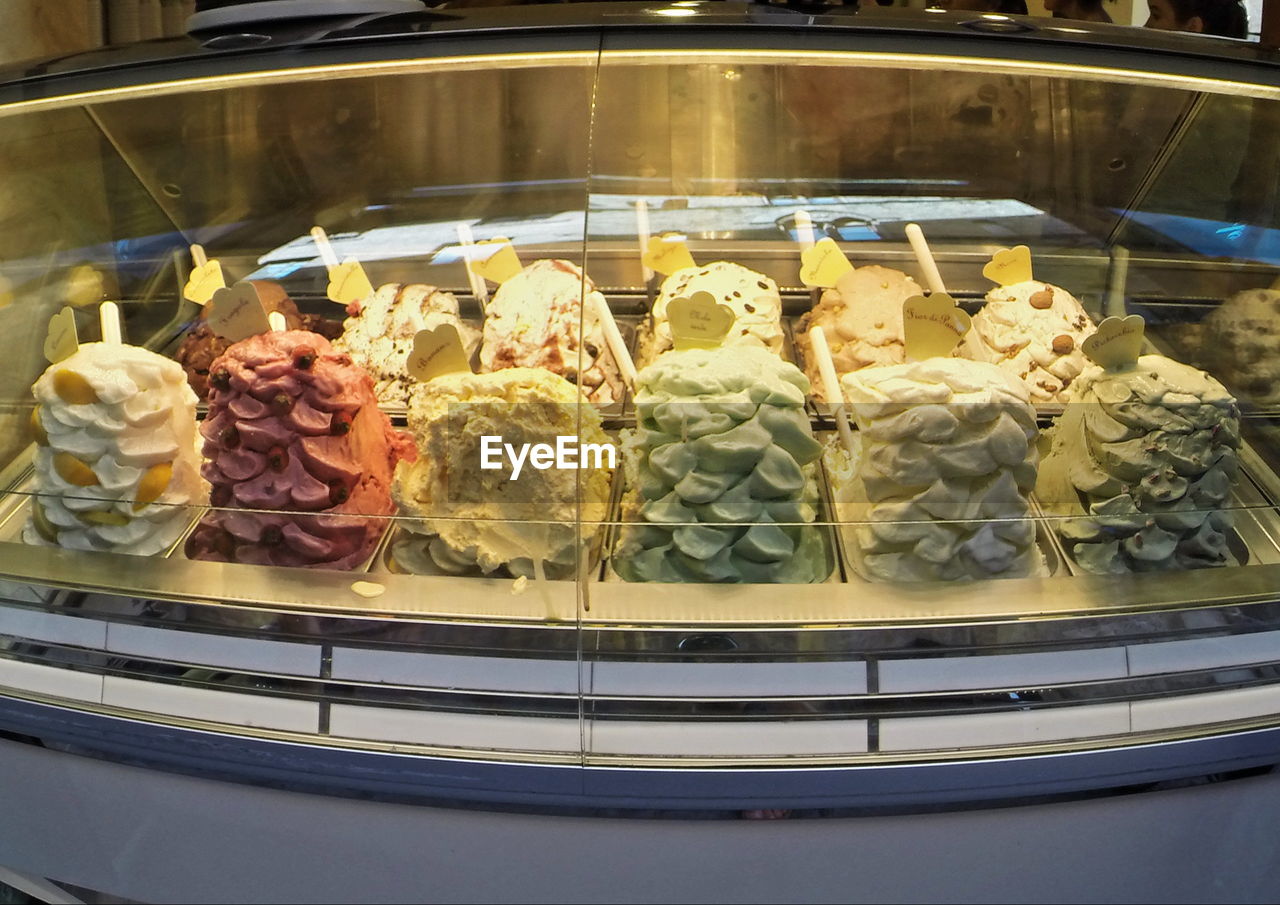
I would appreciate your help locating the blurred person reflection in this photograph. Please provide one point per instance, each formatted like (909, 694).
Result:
(1085, 10)
(1225, 18)
(1005, 7)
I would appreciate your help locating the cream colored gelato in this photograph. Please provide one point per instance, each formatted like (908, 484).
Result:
(946, 461)
(721, 471)
(862, 320)
(753, 298)
(1033, 331)
(1140, 464)
(535, 320)
(461, 516)
(1242, 344)
(378, 334)
(116, 462)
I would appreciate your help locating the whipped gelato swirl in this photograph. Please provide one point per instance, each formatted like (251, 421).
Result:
(946, 463)
(721, 472)
(1141, 463)
(294, 434)
(116, 467)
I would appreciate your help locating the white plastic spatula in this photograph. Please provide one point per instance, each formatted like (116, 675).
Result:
(109, 318)
(928, 265)
(831, 385)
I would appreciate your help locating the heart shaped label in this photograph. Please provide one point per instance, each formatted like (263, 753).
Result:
(699, 322)
(667, 253)
(932, 325)
(61, 341)
(1117, 343)
(1009, 265)
(824, 264)
(437, 352)
(204, 281)
(236, 312)
(494, 259)
(348, 282)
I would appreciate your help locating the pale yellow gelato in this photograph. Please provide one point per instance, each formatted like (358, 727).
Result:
(462, 516)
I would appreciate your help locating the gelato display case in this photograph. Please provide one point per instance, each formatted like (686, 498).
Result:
(590, 456)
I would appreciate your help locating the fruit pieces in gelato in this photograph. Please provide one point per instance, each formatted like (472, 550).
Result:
(294, 431)
(1141, 462)
(460, 517)
(378, 334)
(721, 472)
(946, 462)
(753, 298)
(201, 345)
(1242, 344)
(862, 320)
(535, 319)
(116, 466)
(1034, 331)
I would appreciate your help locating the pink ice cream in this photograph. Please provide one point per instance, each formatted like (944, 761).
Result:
(294, 426)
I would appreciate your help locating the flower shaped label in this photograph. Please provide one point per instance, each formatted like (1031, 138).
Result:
(61, 341)
(348, 282)
(932, 325)
(699, 322)
(1117, 343)
(824, 264)
(667, 253)
(494, 260)
(437, 352)
(1009, 265)
(204, 281)
(236, 312)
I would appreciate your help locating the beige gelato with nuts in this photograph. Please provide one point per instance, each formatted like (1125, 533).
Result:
(1033, 331)
(862, 320)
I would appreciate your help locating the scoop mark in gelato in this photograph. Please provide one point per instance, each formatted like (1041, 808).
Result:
(567, 453)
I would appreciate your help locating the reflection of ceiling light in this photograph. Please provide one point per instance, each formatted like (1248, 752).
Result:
(675, 11)
(934, 9)
(995, 17)
(1070, 31)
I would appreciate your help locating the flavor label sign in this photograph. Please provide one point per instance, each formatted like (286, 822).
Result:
(349, 283)
(667, 253)
(204, 281)
(699, 322)
(438, 352)
(236, 312)
(494, 260)
(61, 342)
(1117, 343)
(932, 325)
(1009, 265)
(823, 264)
